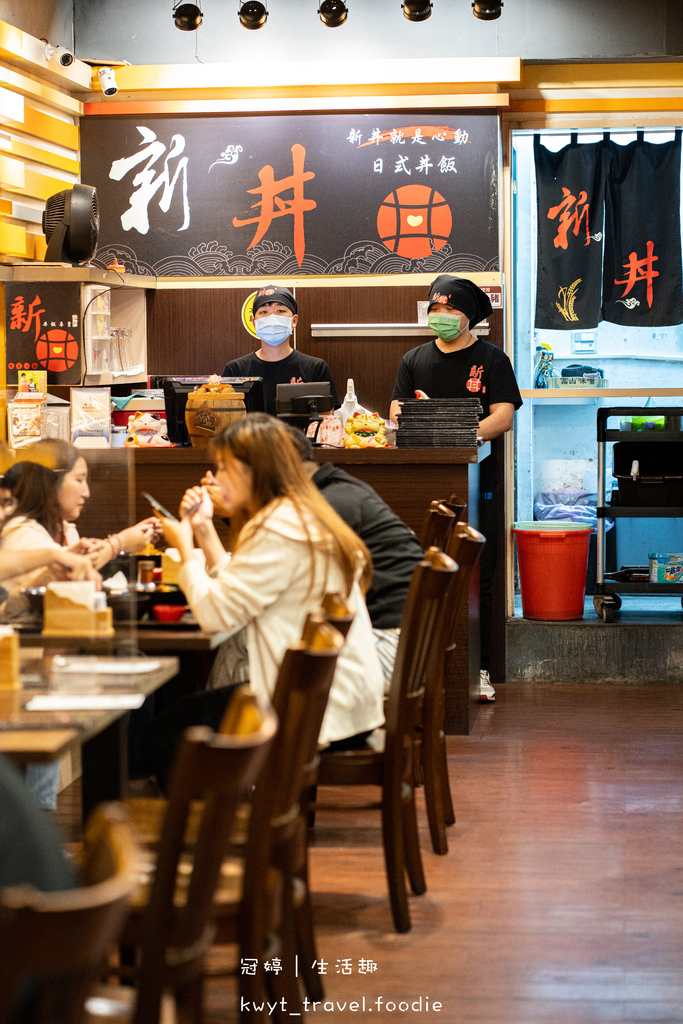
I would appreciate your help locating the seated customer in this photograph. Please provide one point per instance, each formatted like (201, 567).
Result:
(289, 548)
(30, 849)
(48, 502)
(394, 548)
(62, 562)
(275, 317)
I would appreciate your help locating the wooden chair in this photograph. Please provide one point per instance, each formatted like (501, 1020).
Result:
(53, 945)
(457, 505)
(338, 612)
(392, 767)
(262, 902)
(437, 526)
(465, 547)
(171, 913)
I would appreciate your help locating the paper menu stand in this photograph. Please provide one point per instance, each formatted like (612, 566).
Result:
(74, 609)
(9, 659)
(91, 417)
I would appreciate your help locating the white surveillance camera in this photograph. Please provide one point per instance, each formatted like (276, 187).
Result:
(63, 56)
(108, 81)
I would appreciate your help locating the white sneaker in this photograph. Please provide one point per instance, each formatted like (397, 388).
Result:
(487, 694)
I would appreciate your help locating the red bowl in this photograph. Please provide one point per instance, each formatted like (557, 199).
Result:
(168, 612)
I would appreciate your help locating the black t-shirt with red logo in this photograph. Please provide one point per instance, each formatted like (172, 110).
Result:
(481, 371)
(296, 368)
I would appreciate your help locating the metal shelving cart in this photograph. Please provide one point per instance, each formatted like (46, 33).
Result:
(607, 600)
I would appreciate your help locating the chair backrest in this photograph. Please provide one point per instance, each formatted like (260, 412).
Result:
(422, 625)
(53, 944)
(300, 699)
(456, 504)
(464, 547)
(218, 770)
(338, 612)
(437, 526)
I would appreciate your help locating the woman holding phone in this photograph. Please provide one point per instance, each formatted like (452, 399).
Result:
(289, 548)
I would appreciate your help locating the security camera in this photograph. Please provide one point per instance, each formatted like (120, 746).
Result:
(107, 81)
(63, 56)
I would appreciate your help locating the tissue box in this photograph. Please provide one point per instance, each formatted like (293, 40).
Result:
(666, 568)
(70, 609)
(9, 659)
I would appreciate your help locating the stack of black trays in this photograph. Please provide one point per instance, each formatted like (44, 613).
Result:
(438, 423)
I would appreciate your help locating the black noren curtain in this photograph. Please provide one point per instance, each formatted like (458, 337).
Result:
(642, 278)
(570, 196)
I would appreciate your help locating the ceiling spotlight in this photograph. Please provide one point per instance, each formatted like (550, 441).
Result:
(253, 15)
(416, 10)
(486, 10)
(187, 17)
(333, 13)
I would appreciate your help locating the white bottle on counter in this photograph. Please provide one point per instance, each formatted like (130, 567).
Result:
(350, 404)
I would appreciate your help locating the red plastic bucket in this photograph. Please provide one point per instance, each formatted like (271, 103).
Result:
(553, 559)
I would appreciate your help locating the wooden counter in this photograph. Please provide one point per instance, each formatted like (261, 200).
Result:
(406, 478)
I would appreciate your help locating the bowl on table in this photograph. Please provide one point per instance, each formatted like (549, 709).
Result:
(168, 612)
(128, 605)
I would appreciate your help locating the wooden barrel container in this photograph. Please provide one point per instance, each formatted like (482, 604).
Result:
(211, 408)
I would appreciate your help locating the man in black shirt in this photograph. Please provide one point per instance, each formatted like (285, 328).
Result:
(394, 548)
(456, 364)
(275, 316)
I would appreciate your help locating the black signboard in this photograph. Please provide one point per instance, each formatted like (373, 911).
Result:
(376, 193)
(43, 330)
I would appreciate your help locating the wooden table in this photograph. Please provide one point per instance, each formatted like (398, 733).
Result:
(46, 735)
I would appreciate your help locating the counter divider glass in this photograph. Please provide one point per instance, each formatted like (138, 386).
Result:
(406, 478)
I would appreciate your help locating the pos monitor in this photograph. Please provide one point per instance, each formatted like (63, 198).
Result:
(303, 400)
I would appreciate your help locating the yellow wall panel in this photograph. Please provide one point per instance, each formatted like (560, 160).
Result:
(44, 156)
(38, 245)
(19, 83)
(41, 186)
(51, 129)
(12, 239)
(11, 105)
(11, 172)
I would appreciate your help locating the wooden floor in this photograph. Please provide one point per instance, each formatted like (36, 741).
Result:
(561, 900)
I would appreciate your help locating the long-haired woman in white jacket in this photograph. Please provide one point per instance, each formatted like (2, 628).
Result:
(288, 548)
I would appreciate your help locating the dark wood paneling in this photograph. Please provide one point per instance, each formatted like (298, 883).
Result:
(194, 331)
(371, 362)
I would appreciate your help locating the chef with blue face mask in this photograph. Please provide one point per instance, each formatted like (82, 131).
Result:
(275, 314)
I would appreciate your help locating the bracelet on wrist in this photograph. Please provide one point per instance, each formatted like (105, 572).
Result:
(114, 542)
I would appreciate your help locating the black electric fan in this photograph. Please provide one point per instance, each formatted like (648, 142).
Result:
(71, 224)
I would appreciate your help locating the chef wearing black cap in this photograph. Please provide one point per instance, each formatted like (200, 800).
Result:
(275, 316)
(456, 364)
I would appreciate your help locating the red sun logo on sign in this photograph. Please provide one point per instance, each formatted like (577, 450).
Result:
(414, 221)
(56, 350)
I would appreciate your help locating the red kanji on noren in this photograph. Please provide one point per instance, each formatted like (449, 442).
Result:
(640, 270)
(570, 220)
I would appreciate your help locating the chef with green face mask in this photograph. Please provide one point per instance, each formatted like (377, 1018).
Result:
(456, 364)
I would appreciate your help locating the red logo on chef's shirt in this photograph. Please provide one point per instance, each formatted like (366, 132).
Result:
(296, 380)
(474, 382)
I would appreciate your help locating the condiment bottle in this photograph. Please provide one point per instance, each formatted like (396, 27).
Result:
(350, 404)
